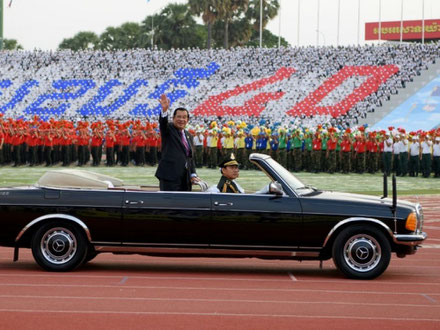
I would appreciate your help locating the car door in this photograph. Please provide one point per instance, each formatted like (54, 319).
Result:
(100, 210)
(255, 220)
(166, 218)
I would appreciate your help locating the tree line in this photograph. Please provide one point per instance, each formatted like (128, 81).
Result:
(226, 23)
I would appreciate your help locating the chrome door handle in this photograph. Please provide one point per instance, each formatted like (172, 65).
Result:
(223, 204)
(134, 202)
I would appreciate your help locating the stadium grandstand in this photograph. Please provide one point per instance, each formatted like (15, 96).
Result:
(301, 85)
(63, 106)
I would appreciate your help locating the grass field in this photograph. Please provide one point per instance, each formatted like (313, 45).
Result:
(249, 180)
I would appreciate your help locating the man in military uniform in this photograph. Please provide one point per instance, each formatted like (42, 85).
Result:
(229, 168)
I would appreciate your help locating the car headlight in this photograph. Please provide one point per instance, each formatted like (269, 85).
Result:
(411, 222)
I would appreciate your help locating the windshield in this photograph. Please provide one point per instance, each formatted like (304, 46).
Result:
(292, 181)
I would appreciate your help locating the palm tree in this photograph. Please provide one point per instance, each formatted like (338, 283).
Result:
(208, 10)
(227, 10)
(176, 28)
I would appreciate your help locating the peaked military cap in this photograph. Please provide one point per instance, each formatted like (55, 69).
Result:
(228, 161)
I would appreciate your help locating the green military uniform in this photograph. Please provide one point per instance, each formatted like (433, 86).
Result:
(226, 185)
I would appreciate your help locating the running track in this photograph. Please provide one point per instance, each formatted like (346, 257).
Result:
(138, 292)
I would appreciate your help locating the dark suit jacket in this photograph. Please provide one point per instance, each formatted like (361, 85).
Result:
(174, 163)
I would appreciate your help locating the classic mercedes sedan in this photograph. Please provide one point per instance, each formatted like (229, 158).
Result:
(70, 216)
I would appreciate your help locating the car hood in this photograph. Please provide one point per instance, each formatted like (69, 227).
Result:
(355, 204)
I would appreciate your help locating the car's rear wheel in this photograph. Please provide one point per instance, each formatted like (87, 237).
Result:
(59, 246)
(361, 252)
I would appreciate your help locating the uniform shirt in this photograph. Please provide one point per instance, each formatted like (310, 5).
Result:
(239, 142)
(249, 143)
(403, 146)
(414, 148)
(396, 147)
(198, 140)
(346, 145)
(436, 150)
(212, 142)
(331, 144)
(388, 145)
(282, 142)
(426, 147)
(228, 142)
(317, 143)
(227, 186)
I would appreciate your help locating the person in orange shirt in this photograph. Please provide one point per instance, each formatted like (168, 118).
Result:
(96, 144)
(110, 140)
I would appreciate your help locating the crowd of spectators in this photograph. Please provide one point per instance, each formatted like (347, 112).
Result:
(59, 103)
(313, 66)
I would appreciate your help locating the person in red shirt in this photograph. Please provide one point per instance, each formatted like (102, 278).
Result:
(139, 141)
(48, 136)
(316, 152)
(153, 143)
(360, 153)
(2, 140)
(32, 141)
(110, 140)
(83, 143)
(17, 142)
(331, 150)
(372, 153)
(96, 144)
(346, 152)
(125, 145)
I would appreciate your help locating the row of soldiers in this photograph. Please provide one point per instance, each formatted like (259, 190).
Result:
(300, 149)
(61, 142)
(327, 150)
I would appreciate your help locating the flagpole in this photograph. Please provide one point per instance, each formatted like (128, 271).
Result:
(279, 26)
(380, 20)
(359, 20)
(317, 25)
(339, 17)
(297, 36)
(401, 21)
(261, 23)
(1, 24)
(423, 22)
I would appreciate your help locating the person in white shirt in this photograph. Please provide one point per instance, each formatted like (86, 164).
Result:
(397, 146)
(436, 157)
(198, 143)
(387, 153)
(403, 156)
(426, 146)
(414, 157)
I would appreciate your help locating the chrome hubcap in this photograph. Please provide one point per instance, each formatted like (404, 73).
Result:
(58, 245)
(362, 253)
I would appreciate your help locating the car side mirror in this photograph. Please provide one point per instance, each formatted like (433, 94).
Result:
(275, 188)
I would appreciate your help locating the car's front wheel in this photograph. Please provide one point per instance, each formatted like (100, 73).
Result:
(59, 246)
(361, 252)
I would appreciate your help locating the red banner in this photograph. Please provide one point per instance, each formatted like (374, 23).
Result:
(412, 30)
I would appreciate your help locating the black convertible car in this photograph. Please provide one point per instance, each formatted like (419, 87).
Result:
(70, 216)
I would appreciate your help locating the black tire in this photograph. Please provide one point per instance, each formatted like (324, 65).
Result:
(59, 246)
(361, 252)
(91, 254)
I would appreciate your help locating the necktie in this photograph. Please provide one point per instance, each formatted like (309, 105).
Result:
(185, 143)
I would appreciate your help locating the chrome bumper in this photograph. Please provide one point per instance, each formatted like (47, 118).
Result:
(411, 239)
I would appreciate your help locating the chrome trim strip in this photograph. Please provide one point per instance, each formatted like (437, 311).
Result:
(164, 244)
(252, 246)
(356, 219)
(196, 251)
(55, 216)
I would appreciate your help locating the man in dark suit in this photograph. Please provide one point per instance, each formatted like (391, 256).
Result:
(176, 170)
